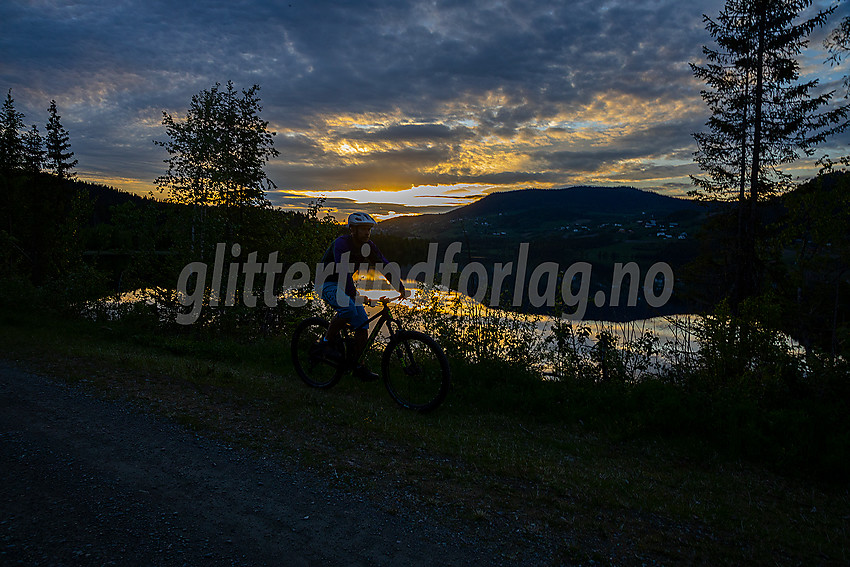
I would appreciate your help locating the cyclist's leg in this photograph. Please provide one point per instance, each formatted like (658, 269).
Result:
(355, 316)
(337, 323)
(361, 337)
(350, 313)
(329, 294)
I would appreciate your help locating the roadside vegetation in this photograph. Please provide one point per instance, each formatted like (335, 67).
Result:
(600, 470)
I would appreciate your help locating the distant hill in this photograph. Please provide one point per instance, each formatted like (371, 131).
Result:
(530, 211)
(612, 200)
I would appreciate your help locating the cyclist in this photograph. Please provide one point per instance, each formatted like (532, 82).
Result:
(362, 250)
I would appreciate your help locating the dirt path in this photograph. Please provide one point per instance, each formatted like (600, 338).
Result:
(85, 481)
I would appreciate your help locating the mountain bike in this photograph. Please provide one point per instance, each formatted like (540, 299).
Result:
(414, 367)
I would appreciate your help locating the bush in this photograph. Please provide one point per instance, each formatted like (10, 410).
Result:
(70, 291)
(743, 354)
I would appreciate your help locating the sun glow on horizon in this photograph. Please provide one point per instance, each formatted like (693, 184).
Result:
(417, 196)
(140, 187)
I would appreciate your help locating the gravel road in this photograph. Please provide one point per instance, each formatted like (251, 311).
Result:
(88, 481)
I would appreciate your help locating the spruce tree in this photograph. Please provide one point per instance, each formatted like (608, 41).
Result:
(58, 157)
(763, 117)
(11, 123)
(33, 151)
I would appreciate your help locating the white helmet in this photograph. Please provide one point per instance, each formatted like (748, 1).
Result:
(361, 219)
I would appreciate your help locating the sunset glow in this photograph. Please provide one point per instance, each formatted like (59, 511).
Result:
(402, 108)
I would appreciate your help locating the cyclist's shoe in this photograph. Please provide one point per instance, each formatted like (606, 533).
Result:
(364, 374)
(326, 351)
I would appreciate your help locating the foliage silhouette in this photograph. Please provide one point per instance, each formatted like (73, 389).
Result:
(762, 117)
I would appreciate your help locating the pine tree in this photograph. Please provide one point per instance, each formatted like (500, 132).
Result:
(762, 118)
(58, 157)
(11, 122)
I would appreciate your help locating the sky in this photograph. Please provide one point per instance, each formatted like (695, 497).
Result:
(392, 107)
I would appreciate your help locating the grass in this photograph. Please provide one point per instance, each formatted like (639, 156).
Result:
(585, 491)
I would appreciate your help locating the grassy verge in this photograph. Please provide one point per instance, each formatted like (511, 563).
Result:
(583, 491)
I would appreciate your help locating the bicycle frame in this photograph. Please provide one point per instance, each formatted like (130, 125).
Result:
(385, 317)
(415, 369)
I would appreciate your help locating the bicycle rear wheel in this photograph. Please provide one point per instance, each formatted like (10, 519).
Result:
(311, 366)
(416, 371)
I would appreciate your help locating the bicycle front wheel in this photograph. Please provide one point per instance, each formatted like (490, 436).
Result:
(310, 365)
(416, 371)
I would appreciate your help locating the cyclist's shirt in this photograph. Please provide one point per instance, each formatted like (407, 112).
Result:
(345, 244)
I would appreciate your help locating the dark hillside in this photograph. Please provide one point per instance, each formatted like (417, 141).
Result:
(612, 200)
(529, 212)
(599, 225)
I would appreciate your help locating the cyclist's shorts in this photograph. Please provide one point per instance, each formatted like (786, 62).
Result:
(351, 312)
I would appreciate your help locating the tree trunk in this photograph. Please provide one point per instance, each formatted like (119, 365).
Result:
(750, 273)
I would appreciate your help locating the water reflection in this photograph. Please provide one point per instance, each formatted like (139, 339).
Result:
(644, 346)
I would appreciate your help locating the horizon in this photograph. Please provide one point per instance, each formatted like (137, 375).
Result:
(341, 217)
(397, 109)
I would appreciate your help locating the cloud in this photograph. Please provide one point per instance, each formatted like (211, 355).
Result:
(375, 94)
(401, 133)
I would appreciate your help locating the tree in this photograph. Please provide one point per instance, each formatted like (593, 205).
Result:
(33, 151)
(762, 115)
(217, 156)
(838, 45)
(58, 156)
(218, 152)
(11, 124)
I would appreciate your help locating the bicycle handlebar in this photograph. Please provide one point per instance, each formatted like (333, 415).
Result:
(384, 300)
